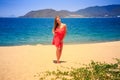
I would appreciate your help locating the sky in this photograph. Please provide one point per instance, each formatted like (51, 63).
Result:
(9, 8)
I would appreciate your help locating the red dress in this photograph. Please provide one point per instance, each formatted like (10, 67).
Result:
(58, 37)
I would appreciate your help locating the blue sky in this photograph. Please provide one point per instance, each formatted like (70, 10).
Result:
(21, 7)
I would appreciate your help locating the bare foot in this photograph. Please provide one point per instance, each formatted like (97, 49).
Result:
(56, 62)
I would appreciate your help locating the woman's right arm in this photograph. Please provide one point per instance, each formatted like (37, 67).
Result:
(53, 31)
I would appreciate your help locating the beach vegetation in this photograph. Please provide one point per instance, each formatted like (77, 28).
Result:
(91, 71)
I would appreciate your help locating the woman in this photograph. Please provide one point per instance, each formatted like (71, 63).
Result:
(59, 32)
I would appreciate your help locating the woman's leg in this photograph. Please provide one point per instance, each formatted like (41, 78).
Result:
(58, 54)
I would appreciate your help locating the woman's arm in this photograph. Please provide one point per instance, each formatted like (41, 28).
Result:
(65, 31)
(53, 31)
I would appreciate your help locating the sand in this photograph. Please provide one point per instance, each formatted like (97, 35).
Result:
(24, 62)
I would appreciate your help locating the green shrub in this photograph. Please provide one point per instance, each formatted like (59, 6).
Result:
(92, 71)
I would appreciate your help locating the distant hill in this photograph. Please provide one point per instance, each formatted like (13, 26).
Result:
(100, 11)
(95, 11)
(50, 13)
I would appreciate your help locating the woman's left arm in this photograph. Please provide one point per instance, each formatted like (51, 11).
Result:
(65, 32)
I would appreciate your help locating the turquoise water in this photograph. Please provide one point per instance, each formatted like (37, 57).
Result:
(32, 31)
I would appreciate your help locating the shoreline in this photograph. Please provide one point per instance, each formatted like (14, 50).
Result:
(23, 62)
(64, 44)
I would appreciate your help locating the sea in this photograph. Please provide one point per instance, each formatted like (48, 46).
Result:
(35, 31)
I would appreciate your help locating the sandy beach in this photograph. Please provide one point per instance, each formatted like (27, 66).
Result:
(24, 62)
